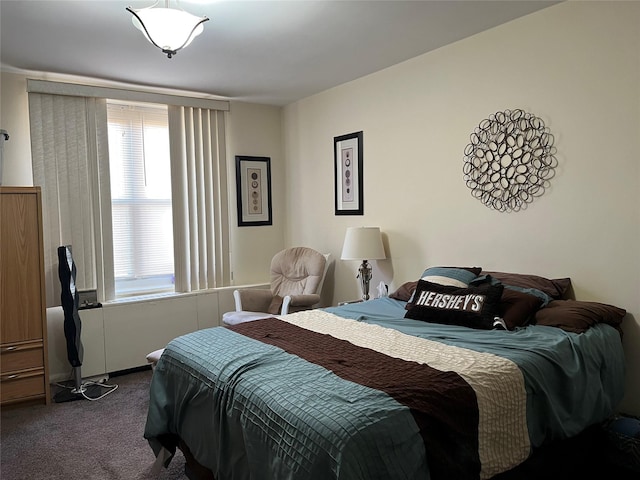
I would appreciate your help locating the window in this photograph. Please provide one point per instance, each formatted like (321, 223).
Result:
(140, 177)
(162, 157)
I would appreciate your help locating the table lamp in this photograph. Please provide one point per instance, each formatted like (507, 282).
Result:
(363, 243)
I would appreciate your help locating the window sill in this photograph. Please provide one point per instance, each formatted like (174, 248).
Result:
(147, 298)
(169, 295)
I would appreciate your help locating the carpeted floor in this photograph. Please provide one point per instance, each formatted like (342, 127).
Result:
(103, 440)
(82, 439)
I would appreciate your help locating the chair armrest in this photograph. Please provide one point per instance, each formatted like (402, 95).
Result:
(295, 303)
(253, 299)
(304, 300)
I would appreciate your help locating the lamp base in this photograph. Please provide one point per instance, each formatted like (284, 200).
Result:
(364, 274)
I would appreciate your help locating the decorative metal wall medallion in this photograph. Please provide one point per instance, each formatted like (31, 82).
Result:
(510, 160)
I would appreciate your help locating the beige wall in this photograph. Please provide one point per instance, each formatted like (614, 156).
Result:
(256, 130)
(14, 118)
(577, 66)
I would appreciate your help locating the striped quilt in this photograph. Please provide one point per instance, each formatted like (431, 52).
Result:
(312, 395)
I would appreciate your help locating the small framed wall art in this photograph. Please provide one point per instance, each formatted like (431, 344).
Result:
(253, 190)
(348, 174)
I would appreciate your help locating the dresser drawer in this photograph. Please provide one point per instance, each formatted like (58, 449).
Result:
(22, 385)
(21, 356)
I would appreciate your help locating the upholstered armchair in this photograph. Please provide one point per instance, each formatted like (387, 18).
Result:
(297, 276)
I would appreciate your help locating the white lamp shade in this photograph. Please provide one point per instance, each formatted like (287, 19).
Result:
(363, 243)
(168, 28)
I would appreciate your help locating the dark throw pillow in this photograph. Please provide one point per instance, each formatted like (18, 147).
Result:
(486, 278)
(405, 291)
(474, 307)
(517, 308)
(556, 288)
(577, 316)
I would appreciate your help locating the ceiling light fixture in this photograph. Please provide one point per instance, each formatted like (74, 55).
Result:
(169, 29)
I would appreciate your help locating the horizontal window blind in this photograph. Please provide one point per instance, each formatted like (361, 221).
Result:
(140, 175)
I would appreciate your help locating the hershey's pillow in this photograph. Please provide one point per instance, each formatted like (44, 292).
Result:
(517, 308)
(577, 316)
(405, 291)
(556, 288)
(454, 276)
(474, 307)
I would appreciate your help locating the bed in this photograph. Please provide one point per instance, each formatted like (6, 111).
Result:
(452, 376)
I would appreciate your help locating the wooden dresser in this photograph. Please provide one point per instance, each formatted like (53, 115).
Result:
(24, 373)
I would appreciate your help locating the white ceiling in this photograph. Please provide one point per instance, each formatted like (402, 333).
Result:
(272, 52)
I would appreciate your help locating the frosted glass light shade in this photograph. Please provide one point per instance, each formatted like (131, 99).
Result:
(363, 243)
(169, 29)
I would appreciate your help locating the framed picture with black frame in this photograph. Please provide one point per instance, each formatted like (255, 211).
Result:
(253, 190)
(347, 150)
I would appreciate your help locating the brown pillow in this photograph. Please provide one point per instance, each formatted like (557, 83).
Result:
(517, 308)
(555, 288)
(275, 307)
(577, 316)
(405, 291)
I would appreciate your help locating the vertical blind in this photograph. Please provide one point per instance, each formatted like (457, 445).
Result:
(200, 206)
(67, 135)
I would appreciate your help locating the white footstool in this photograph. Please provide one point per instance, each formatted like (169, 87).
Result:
(154, 356)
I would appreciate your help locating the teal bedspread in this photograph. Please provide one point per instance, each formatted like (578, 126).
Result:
(247, 409)
(250, 410)
(572, 380)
